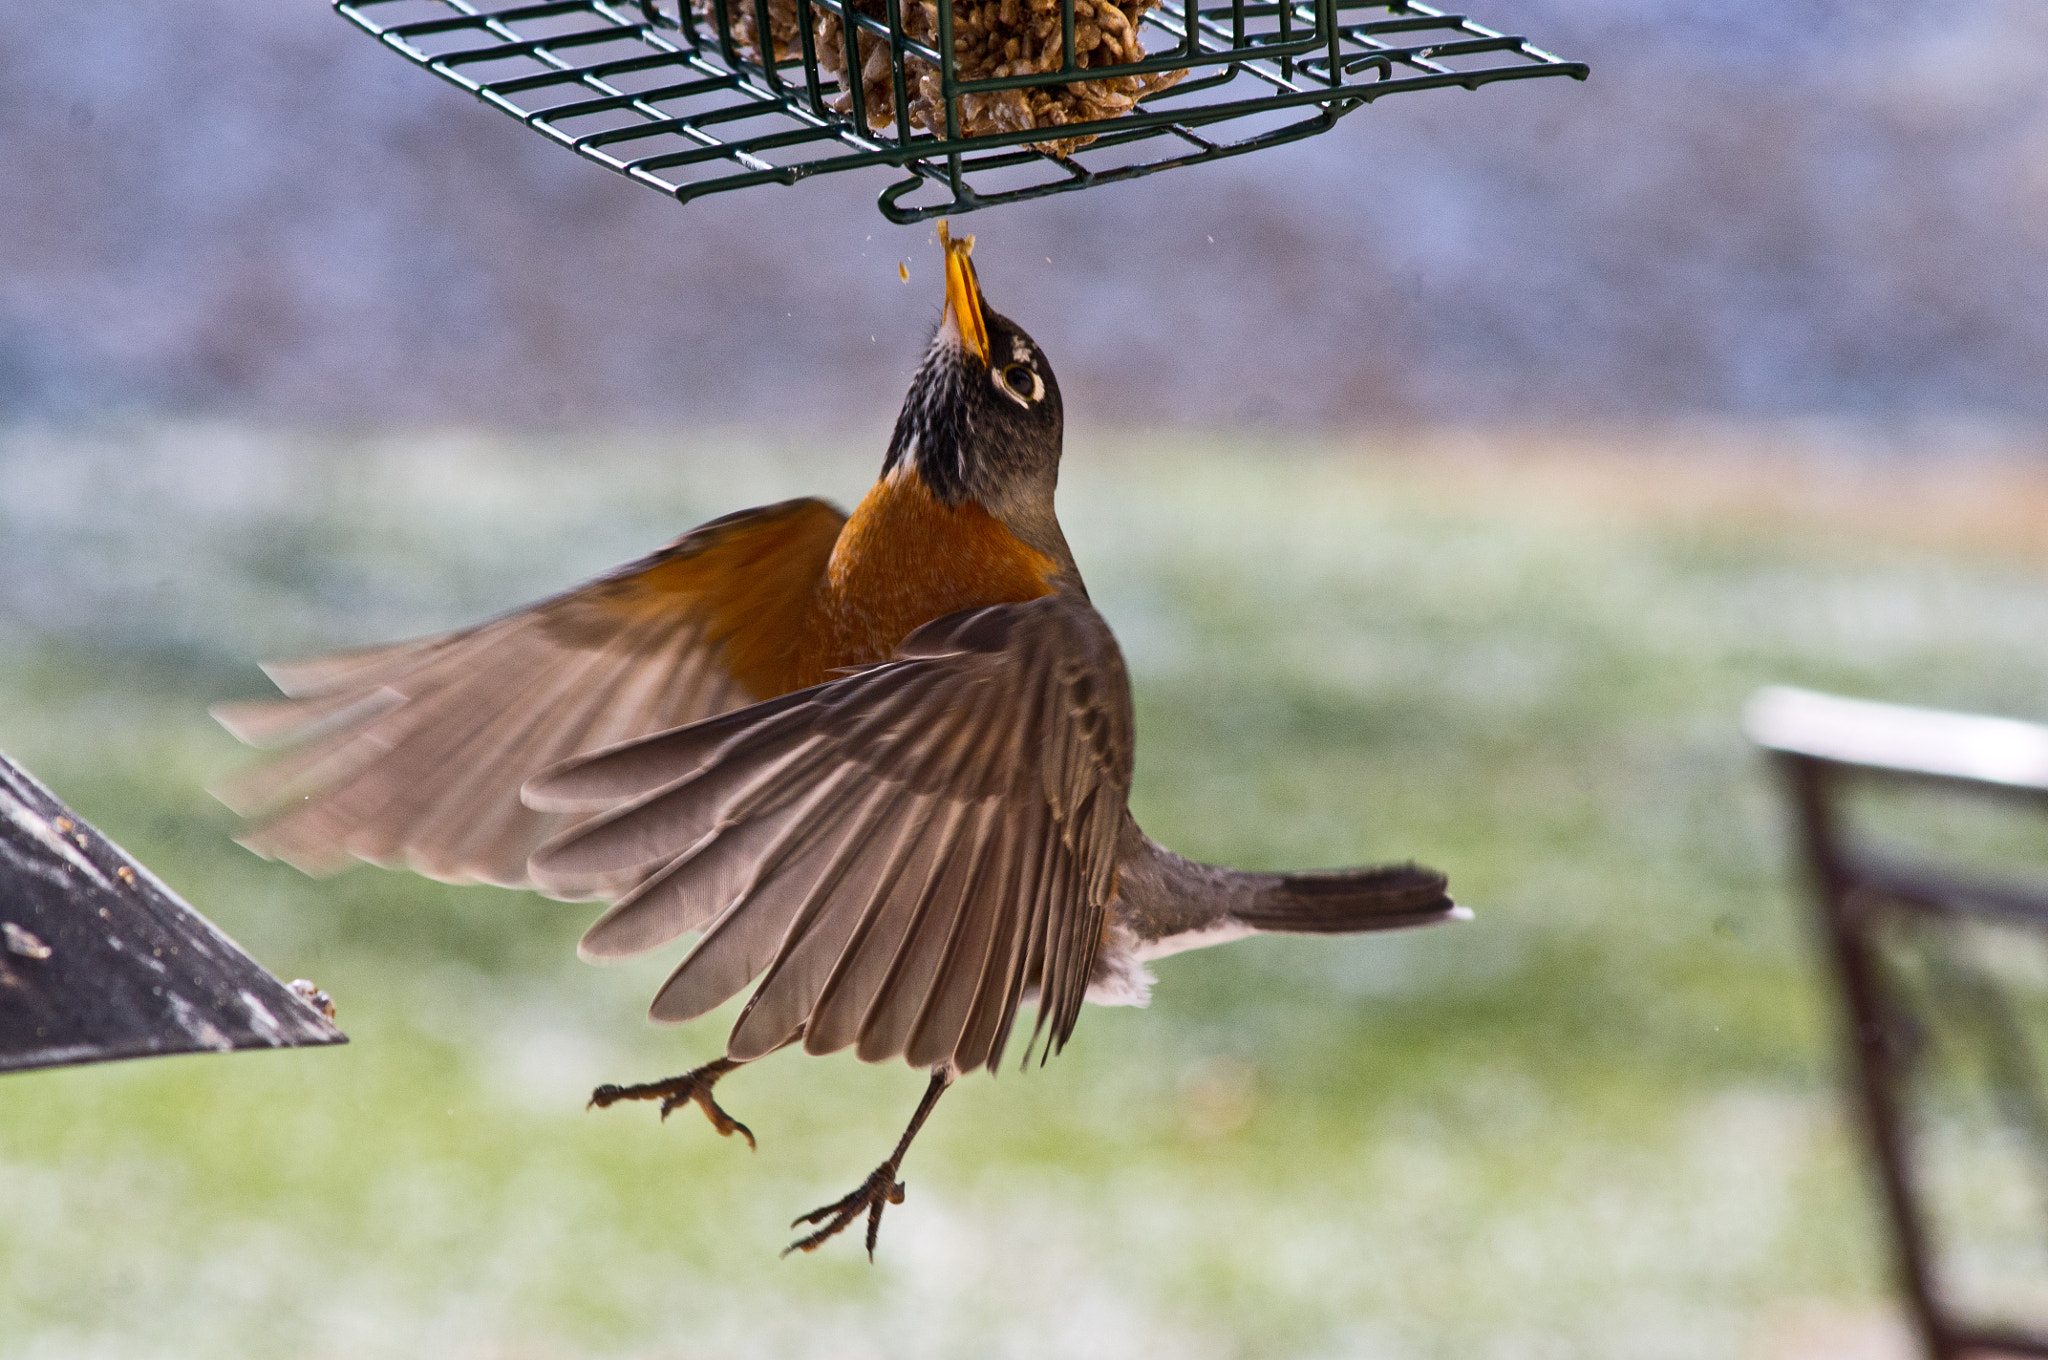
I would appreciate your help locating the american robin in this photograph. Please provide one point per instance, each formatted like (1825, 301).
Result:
(879, 762)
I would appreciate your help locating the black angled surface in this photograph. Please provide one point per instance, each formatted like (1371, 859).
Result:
(99, 960)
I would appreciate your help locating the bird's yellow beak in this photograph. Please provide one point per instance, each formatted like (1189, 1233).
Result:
(963, 295)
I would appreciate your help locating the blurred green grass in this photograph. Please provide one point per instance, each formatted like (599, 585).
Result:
(1595, 1122)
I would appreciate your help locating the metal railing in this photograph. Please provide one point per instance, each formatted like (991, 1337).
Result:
(1866, 898)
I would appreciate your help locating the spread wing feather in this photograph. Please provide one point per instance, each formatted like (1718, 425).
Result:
(413, 754)
(899, 857)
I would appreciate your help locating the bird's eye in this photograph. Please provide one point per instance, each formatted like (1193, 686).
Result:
(1021, 381)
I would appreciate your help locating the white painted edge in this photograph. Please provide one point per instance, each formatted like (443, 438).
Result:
(1894, 737)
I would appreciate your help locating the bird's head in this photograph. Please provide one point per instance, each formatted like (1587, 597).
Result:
(982, 420)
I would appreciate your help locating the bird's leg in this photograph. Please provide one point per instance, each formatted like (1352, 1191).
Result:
(694, 1084)
(880, 1189)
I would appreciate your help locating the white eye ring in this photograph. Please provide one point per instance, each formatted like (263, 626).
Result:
(1006, 381)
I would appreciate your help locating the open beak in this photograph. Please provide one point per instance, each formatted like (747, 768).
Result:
(963, 296)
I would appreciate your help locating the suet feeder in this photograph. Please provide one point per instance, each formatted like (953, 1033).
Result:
(99, 960)
(980, 102)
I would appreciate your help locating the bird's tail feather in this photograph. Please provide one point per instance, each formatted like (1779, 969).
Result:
(1343, 901)
(1170, 903)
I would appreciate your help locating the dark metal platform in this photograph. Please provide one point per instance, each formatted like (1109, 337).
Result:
(99, 960)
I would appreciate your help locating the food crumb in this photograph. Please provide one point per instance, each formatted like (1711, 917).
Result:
(23, 942)
(306, 991)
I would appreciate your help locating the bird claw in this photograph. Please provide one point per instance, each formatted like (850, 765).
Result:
(693, 1086)
(876, 1193)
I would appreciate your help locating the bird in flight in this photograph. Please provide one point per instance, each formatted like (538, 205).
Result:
(878, 762)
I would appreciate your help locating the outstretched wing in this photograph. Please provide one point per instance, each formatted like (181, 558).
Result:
(900, 856)
(412, 755)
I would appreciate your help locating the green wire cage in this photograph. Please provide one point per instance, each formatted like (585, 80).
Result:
(686, 100)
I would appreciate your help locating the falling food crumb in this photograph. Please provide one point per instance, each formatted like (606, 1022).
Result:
(64, 824)
(126, 875)
(903, 271)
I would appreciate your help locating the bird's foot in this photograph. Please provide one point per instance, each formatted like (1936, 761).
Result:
(877, 1192)
(694, 1085)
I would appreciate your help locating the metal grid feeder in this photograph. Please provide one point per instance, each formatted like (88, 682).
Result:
(679, 101)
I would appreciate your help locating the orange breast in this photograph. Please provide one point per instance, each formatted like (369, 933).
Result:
(904, 559)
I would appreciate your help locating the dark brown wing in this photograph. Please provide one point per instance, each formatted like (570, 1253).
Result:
(900, 856)
(412, 755)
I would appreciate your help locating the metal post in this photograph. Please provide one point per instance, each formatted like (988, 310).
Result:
(1867, 1040)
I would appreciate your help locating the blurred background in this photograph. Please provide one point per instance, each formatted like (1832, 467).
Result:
(1449, 479)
